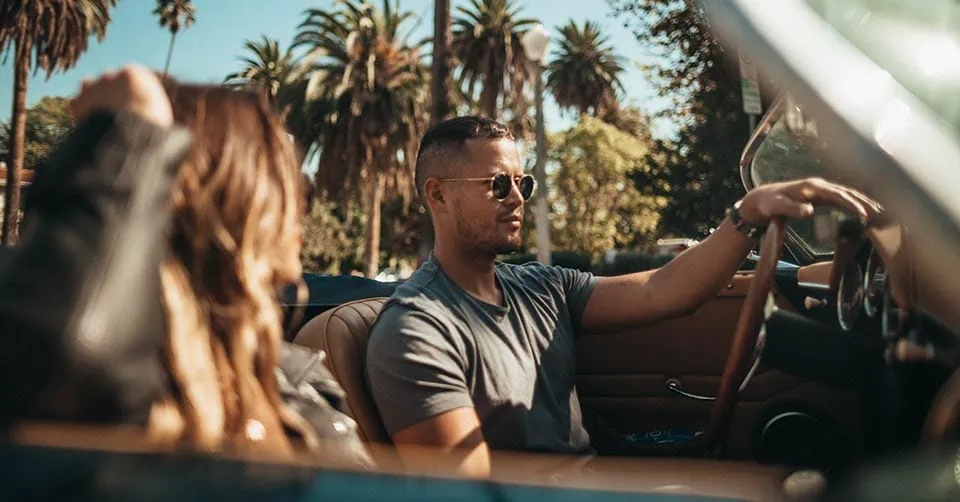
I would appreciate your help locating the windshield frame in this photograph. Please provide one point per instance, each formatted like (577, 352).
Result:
(757, 138)
(801, 252)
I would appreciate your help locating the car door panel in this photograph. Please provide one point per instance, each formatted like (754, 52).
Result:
(622, 380)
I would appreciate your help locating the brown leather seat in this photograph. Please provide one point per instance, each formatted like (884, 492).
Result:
(342, 333)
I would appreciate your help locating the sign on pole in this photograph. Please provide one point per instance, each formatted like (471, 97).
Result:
(749, 86)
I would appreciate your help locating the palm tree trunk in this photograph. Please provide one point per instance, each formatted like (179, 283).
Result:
(166, 67)
(440, 67)
(488, 97)
(371, 246)
(441, 102)
(11, 206)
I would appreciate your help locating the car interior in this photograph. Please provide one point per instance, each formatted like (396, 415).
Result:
(828, 351)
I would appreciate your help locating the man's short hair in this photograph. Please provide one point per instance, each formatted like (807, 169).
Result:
(447, 140)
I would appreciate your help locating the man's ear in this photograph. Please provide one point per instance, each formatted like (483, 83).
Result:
(433, 193)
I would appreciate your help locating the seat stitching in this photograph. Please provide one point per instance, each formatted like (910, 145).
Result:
(351, 401)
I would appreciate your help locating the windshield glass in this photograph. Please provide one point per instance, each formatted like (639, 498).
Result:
(916, 41)
(792, 150)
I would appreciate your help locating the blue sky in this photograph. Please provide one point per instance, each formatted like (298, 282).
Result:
(208, 50)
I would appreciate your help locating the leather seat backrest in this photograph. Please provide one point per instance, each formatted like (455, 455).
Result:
(342, 332)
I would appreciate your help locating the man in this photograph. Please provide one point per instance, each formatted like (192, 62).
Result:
(471, 355)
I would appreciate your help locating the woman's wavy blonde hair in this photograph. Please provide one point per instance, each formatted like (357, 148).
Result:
(234, 244)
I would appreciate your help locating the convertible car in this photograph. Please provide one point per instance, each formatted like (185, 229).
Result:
(826, 369)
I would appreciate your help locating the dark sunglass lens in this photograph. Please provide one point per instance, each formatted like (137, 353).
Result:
(502, 184)
(527, 185)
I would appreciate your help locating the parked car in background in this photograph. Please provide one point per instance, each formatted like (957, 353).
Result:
(673, 247)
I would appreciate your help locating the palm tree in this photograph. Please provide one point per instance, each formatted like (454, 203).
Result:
(440, 100)
(486, 41)
(51, 34)
(368, 116)
(585, 72)
(264, 68)
(173, 15)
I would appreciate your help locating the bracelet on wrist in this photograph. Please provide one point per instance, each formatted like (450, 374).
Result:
(743, 226)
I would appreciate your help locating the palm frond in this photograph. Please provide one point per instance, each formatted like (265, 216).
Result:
(58, 31)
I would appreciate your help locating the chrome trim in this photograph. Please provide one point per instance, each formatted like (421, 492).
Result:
(857, 277)
(756, 139)
(674, 385)
(873, 277)
(757, 356)
(813, 285)
(746, 175)
(769, 308)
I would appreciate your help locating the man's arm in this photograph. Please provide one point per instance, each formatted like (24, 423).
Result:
(455, 434)
(696, 275)
(679, 287)
(417, 374)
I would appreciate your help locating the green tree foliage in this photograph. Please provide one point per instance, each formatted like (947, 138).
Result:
(369, 108)
(328, 234)
(42, 34)
(596, 206)
(331, 231)
(697, 172)
(487, 38)
(174, 15)
(48, 123)
(585, 72)
(265, 68)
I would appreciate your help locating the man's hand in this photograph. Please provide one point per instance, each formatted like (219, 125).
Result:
(796, 199)
(134, 89)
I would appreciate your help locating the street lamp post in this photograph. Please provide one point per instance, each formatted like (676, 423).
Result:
(535, 45)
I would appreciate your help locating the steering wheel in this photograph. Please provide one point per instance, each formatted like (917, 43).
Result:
(747, 344)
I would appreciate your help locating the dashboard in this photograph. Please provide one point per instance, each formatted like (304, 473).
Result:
(864, 299)
(879, 290)
(873, 290)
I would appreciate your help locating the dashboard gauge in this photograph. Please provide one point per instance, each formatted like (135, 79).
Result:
(850, 297)
(874, 285)
(892, 318)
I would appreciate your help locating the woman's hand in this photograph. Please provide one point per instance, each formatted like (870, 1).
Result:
(134, 89)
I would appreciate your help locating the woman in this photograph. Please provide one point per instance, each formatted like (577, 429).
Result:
(207, 377)
(235, 243)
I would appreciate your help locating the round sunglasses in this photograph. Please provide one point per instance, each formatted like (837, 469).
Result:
(502, 184)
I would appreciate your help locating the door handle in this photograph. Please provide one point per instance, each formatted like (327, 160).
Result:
(674, 385)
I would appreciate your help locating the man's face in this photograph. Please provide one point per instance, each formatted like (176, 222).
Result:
(482, 223)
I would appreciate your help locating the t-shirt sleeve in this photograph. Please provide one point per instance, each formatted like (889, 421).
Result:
(414, 370)
(578, 286)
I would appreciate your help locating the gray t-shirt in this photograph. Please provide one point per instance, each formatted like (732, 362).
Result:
(436, 348)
